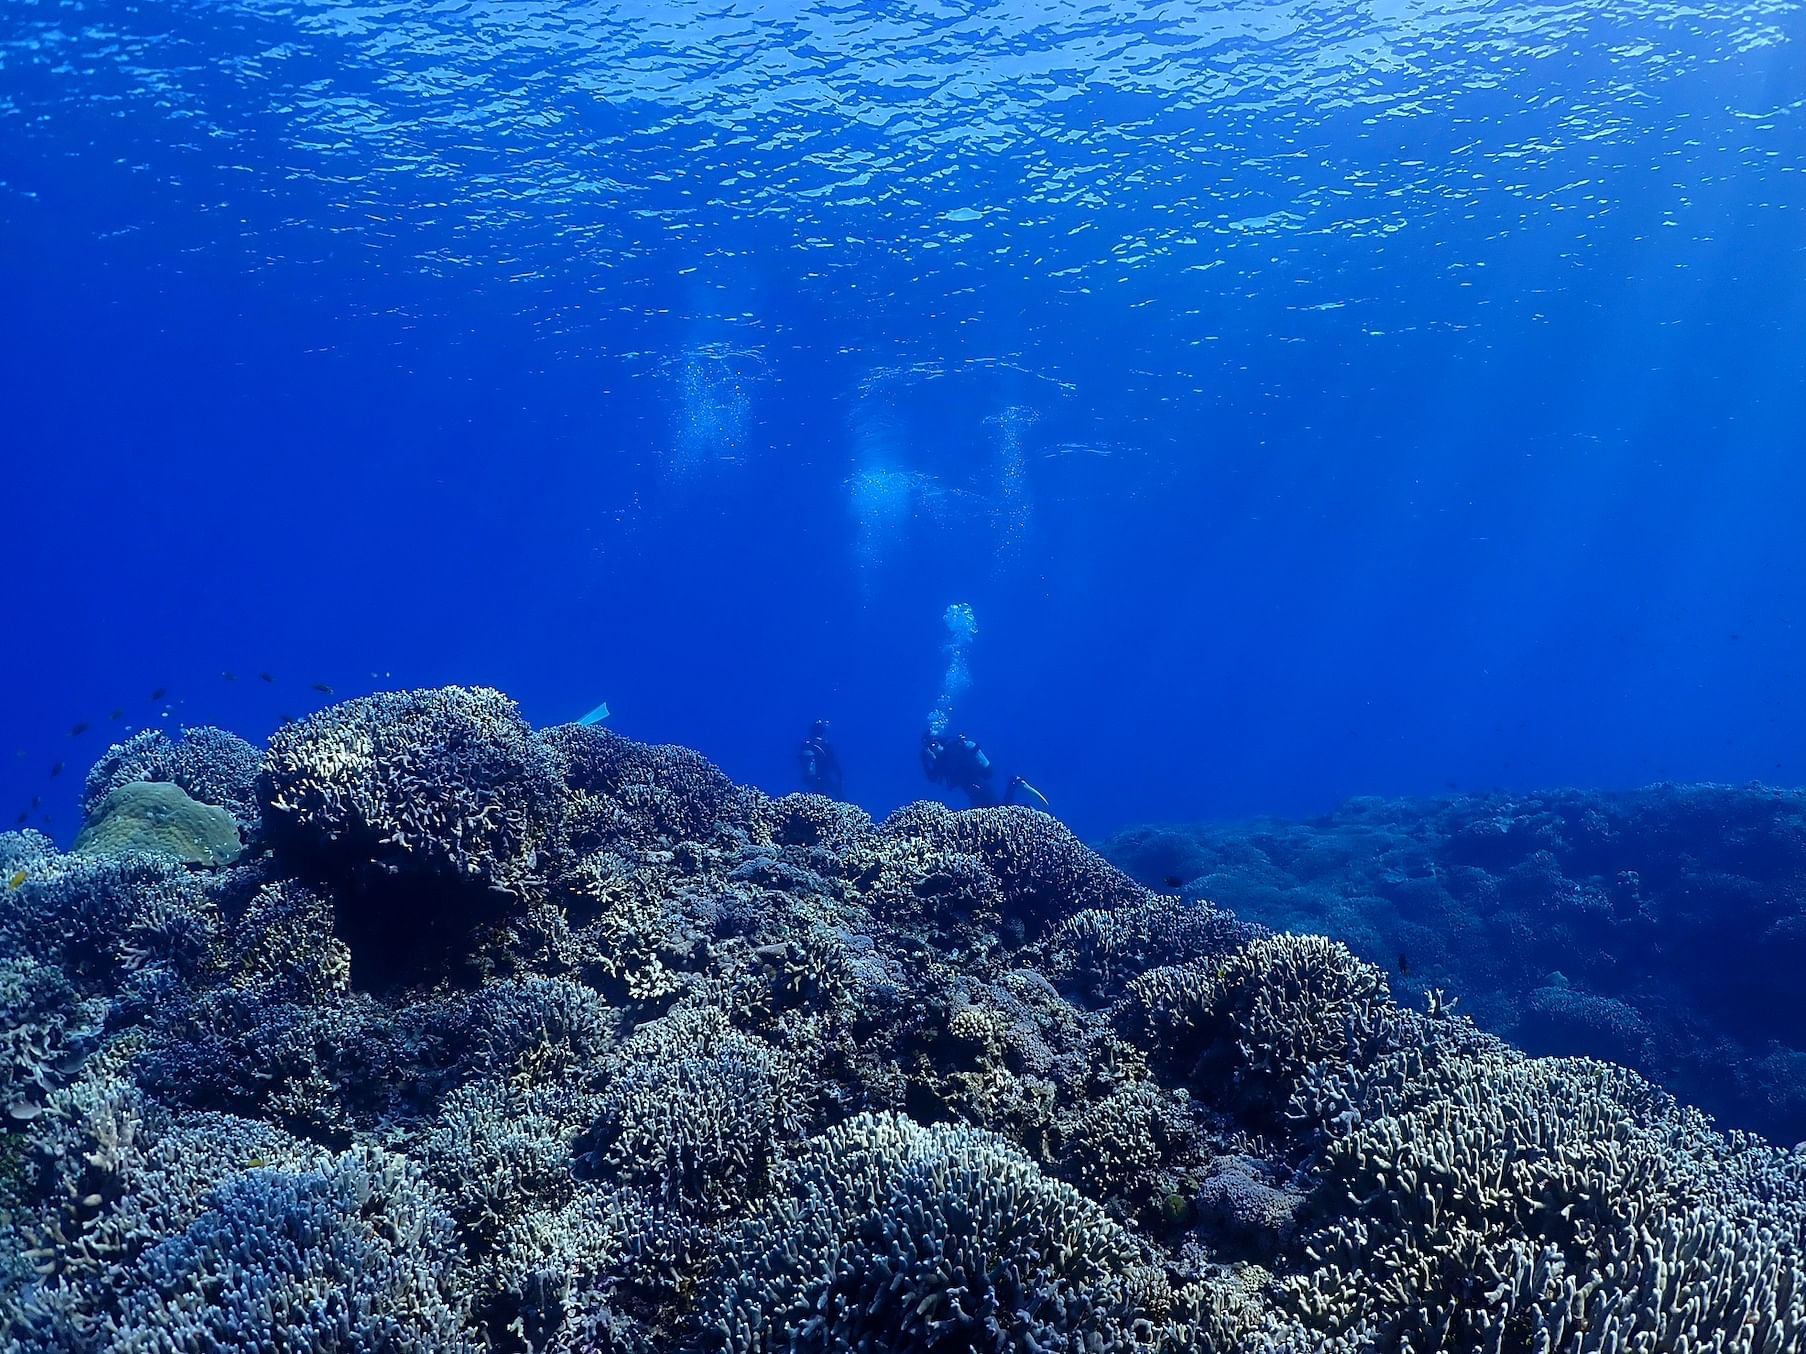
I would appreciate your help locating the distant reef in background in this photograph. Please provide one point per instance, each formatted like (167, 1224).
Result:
(422, 1030)
(1663, 929)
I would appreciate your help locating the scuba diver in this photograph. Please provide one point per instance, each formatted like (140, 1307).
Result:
(960, 764)
(820, 764)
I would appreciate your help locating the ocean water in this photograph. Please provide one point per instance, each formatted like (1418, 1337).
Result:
(1309, 399)
(1348, 458)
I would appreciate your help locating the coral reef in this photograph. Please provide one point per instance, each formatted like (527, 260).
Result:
(542, 1043)
(1664, 928)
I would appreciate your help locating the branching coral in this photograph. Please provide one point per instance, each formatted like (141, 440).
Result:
(448, 783)
(886, 1234)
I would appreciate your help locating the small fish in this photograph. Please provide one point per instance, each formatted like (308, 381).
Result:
(57, 770)
(255, 1163)
(322, 688)
(16, 881)
(159, 693)
(288, 719)
(1172, 881)
(24, 814)
(37, 801)
(116, 714)
(1404, 963)
(77, 729)
(266, 676)
(228, 676)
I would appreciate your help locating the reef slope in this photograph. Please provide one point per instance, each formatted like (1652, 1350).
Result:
(1662, 928)
(502, 1039)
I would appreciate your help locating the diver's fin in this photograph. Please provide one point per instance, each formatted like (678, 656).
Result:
(595, 716)
(1017, 783)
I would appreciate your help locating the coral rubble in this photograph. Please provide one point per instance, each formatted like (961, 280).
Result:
(496, 1039)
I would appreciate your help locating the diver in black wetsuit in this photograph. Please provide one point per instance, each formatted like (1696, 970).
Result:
(820, 764)
(958, 763)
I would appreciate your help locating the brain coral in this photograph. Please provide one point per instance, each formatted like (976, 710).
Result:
(155, 818)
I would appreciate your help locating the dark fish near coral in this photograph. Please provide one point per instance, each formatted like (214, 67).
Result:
(322, 688)
(1172, 881)
(266, 676)
(77, 729)
(116, 714)
(23, 815)
(159, 693)
(228, 676)
(1404, 963)
(16, 881)
(57, 770)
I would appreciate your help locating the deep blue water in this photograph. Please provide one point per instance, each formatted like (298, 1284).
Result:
(1309, 399)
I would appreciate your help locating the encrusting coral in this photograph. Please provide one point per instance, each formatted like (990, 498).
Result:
(518, 1041)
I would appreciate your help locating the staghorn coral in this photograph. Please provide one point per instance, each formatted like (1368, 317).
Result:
(107, 1173)
(1097, 951)
(104, 918)
(46, 1030)
(699, 1131)
(809, 820)
(564, 1280)
(282, 947)
(498, 1154)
